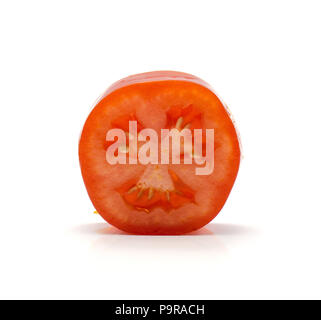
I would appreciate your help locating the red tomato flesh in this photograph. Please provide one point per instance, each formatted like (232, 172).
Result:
(158, 198)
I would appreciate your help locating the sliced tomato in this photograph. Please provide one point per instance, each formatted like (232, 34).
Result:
(158, 198)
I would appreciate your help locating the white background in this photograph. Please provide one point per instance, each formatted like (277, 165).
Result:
(262, 57)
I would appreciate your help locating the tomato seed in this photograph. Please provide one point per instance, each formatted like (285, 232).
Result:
(150, 193)
(140, 193)
(131, 190)
(179, 123)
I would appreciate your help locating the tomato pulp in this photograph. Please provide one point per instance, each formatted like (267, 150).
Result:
(157, 197)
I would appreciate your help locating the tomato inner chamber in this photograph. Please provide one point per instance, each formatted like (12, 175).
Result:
(159, 186)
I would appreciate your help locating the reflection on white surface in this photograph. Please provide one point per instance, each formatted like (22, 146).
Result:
(213, 239)
(195, 264)
(210, 229)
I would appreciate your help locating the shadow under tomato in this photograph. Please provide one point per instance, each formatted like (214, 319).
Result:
(211, 229)
(210, 243)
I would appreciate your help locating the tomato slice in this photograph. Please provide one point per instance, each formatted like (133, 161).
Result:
(159, 198)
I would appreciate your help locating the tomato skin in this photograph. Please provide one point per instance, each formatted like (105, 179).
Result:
(183, 216)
